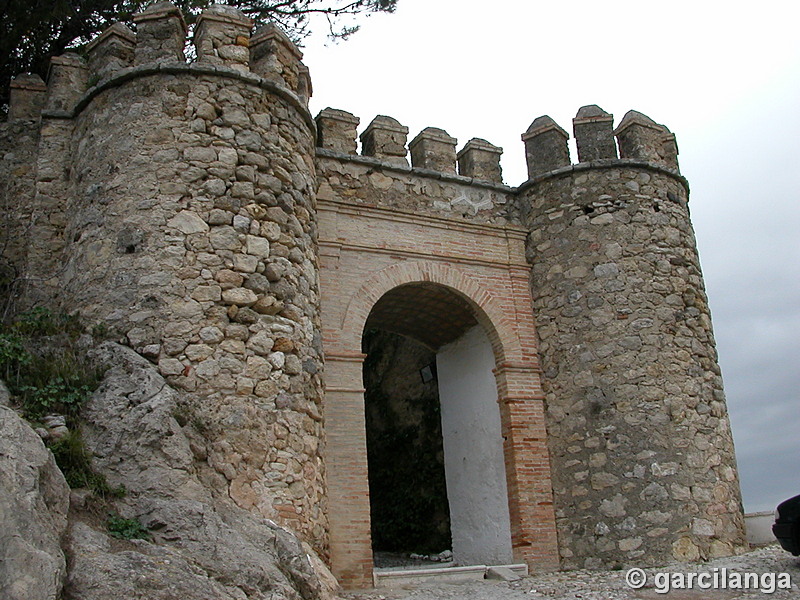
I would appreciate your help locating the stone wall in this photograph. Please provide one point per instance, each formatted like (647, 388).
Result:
(19, 145)
(381, 175)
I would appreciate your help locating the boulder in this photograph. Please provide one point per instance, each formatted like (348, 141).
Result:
(34, 500)
(136, 570)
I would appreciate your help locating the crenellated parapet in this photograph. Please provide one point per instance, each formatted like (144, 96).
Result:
(639, 138)
(432, 151)
(439, 182)
(223, 44)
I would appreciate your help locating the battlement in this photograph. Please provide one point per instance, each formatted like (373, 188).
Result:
(546, 149)
(638, 137)
(432, 149)
(222, 40)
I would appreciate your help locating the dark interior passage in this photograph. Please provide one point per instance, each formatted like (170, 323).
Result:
(408, 493)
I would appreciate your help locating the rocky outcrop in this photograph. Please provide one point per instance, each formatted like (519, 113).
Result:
(203, 545)
(34, 499)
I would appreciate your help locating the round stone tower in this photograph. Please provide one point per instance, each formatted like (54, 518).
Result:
(642, 456)
(190, 232)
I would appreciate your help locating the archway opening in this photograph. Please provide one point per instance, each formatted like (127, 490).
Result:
(435, 450)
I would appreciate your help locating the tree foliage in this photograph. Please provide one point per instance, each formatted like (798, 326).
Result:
(32, 31)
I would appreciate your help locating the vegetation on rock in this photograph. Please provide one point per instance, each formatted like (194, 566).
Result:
(75, 462)
(126, 529)
(47, 373)
(42, 365)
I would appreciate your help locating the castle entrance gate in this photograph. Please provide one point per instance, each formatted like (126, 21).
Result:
(376, 261)
(437, 476)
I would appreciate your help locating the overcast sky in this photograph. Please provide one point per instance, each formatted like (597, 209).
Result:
(724, 77)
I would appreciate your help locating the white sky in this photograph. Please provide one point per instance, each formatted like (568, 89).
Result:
(723, 76)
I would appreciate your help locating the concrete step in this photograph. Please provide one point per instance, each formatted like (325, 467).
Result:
(390, 578)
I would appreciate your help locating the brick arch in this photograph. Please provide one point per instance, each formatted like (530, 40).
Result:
(488, 312)
(501, 303)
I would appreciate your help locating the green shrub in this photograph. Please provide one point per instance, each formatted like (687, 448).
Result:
(56, 396)
(44, 371)
(13, 355)
(42, 321)
(126, 529)
(101, 331)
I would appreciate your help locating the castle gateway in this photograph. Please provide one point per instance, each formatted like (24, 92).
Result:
(201, 213)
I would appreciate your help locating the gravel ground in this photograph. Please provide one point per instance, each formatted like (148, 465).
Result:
(611, 585)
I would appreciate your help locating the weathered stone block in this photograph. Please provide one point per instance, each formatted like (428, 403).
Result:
(274, 56)
(545, 146)
(112, 50)
(222, 37)
(434, 149)
(385, 138)
(188, 222)
(67, 80)
(481, 160)
(641, 137)
(304, 87)
(160, 34)
(593, 134)
(336, 130)
(27, 96)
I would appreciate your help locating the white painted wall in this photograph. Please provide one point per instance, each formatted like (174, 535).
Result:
(473, 451)
(759, 528)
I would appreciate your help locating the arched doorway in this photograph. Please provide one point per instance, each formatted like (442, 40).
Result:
(500, 304)
(435, 450)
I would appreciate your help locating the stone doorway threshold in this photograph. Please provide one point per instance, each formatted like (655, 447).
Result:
(393, 577)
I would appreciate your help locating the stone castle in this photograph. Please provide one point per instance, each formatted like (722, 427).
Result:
(199, 212)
